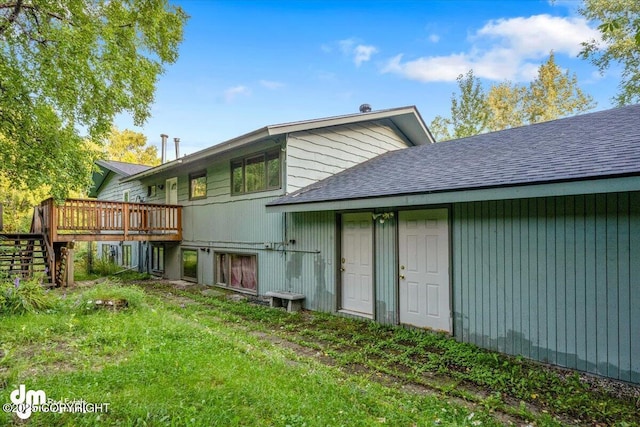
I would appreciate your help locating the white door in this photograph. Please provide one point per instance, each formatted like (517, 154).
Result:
(424, 269)
(357, 263)
(171, 189)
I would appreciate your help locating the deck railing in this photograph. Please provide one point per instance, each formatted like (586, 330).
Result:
(78, 219)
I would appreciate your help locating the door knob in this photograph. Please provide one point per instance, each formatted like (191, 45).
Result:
(342, 269)
(402, 276)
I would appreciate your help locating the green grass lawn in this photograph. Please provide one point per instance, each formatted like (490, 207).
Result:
(181, 358)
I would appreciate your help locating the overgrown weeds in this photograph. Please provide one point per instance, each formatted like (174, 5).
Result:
(437, 361)
(19, 296)
(109, 295)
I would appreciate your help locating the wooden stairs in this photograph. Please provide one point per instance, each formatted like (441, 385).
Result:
(24, 256)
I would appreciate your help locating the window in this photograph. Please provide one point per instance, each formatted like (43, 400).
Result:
(152, 191)
(125, 196)
(109, 253)
(126, 255)
(190, 264)
(256, 173)
(198, 185)
(237, 271)
(157, 259)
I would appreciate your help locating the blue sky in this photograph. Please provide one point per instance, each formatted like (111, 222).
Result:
(244, 65)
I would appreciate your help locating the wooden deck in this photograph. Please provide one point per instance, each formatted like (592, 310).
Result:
(100, 220)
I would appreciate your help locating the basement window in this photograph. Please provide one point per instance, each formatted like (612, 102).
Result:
(237, 271)
(260, 172)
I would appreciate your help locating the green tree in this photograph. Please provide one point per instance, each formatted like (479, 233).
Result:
(505, 104)
(468, 111)
(131, 147)
(17, 205)
(68, 68)
(554, 94)
(620, 32)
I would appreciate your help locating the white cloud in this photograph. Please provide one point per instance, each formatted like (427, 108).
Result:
(233, 92)
(434, 38)
(502, 49)
(360, 52)
(271, 84)
(363, 53)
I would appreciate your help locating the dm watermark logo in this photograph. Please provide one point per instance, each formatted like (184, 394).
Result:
(25, 402)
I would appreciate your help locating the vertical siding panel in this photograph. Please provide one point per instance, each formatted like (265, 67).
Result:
(509, 276)
(532, 284)
(612, 287)
(467, 252)
(541, 298)
(554, 279)
(561, 302)
(601, 284)
(492, 276)
(570, 274)
(624, 309)
(581, 300)
(307, 272)
(517, 275)
(591, 295)
(457, 246)
(486, 311)
(634, 300)
(500, 275)
(475, 286)
(386, 273)
(524, 279)
(551, 259)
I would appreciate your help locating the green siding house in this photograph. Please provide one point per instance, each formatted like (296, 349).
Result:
(229, 240)
(524, 241)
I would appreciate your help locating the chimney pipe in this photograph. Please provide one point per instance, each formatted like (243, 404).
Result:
(163, 157)
(177, 141)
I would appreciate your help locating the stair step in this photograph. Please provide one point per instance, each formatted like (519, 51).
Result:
(23, 255)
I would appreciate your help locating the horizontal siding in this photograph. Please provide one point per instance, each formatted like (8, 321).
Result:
(112, 189)
(553, 279)
(315, 155)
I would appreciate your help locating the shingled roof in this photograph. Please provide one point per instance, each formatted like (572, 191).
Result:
(590, 146)
(123, 168)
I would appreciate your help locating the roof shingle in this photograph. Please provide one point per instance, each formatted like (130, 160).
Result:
(589, 146)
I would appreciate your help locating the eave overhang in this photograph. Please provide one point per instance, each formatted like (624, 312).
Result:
(567, 188)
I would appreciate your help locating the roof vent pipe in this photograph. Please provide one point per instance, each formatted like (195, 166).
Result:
(177, 141)
(365, 108)
(163, 153)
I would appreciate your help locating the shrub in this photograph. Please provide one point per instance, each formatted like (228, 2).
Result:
(105, 268)
(24, 296)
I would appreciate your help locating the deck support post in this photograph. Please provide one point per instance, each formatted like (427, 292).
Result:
(69, 273)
